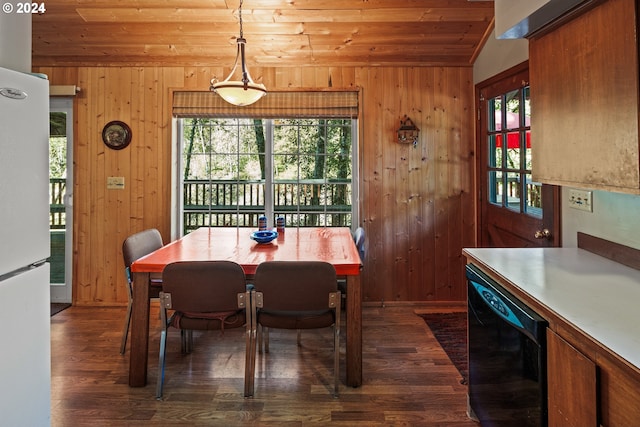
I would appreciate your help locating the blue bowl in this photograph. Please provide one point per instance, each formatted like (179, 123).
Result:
(264, 236)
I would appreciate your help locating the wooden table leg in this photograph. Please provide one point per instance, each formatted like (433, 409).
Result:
(139, 349)
(354, 331)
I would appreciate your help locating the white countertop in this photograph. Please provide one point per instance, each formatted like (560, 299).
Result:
(592, 293)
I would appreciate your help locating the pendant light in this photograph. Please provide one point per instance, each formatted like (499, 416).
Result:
(243, 91)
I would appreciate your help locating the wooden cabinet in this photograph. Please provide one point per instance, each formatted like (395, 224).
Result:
(572, 400)
(593, 367)
(584, 100)
(619, 394)
(587, 385)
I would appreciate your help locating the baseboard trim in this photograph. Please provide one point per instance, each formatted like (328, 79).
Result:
(421, 306)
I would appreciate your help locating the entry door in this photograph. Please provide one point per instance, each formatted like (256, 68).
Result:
(61, 197)
(514, 211)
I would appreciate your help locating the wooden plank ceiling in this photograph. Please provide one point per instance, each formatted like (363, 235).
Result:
(278, 32)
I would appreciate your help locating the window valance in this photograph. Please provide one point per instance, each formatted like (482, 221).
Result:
(283, 104)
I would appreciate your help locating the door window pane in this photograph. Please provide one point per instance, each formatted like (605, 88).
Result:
(496, 187)
(533, 199)
(494, 114)
(512, 150)
(495, 151)
(513, 191)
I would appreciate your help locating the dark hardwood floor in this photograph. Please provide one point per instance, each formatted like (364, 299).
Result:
(408, 379)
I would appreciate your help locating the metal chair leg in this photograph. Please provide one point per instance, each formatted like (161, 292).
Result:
(336, 349)
(251, 376)
(127, 322)
(186, 344)
(183, 341)
(336, 359)
(249, 357)
(161, 355)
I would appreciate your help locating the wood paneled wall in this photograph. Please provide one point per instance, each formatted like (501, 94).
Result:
(417, 203)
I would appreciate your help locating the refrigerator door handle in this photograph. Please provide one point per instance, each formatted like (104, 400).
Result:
(21, 270)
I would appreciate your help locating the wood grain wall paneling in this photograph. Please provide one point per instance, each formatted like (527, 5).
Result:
(416, 202)
(300, 34)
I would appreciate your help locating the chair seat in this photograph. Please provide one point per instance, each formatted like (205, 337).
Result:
(296, 320)
(212, 322)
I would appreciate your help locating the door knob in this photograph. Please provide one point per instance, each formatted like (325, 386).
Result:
(542, 234)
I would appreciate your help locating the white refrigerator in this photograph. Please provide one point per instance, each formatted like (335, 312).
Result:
(25, 347)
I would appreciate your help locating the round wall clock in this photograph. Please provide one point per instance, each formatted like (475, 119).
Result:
(116, 135)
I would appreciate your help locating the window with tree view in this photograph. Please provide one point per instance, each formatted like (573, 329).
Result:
(509, 144)
(236, 169)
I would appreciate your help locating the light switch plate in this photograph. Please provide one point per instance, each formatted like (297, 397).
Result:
(580, 199)
(115, 183)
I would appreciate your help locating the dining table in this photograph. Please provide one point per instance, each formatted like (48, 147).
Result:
(334, 245)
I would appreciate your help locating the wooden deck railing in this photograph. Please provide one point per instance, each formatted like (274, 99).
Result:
(240, 203)
(57, 191)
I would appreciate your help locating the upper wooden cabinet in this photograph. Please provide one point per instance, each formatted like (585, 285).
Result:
(584, 100)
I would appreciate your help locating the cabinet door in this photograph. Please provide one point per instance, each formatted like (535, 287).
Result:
(584, 100)
(571, 378)
(619, 394)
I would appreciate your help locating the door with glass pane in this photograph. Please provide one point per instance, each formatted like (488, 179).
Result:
(60, 197)
(514, 211)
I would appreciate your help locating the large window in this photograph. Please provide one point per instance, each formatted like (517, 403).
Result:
(232, 170)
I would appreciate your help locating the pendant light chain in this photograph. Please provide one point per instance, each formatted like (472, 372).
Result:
(243, 91)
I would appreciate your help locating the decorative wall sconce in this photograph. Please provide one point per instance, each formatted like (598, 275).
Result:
(408, 132)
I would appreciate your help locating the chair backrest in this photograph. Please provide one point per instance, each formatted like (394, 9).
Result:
(358, 238)
(140, 244)
(295, 285)
(204, 286)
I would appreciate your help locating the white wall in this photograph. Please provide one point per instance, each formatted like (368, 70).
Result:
(15, 39)
(615, 216)
(499, 55)
(511, 12)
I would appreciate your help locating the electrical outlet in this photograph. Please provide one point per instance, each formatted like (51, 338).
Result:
(580, 199)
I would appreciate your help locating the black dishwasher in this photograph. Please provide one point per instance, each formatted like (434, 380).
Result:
(507, 356)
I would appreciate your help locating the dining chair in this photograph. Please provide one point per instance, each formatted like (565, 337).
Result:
(204, 296)
(133, 248)
(359, 239)
(295, 295)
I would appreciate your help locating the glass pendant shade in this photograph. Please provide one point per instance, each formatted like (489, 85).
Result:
(242, 91)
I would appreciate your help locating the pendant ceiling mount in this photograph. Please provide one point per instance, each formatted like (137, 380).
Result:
(242, 90)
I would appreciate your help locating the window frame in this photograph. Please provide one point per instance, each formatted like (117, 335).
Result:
(502, 132)
(178, 226)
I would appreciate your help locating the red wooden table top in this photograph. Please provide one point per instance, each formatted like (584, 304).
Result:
(331, 244)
